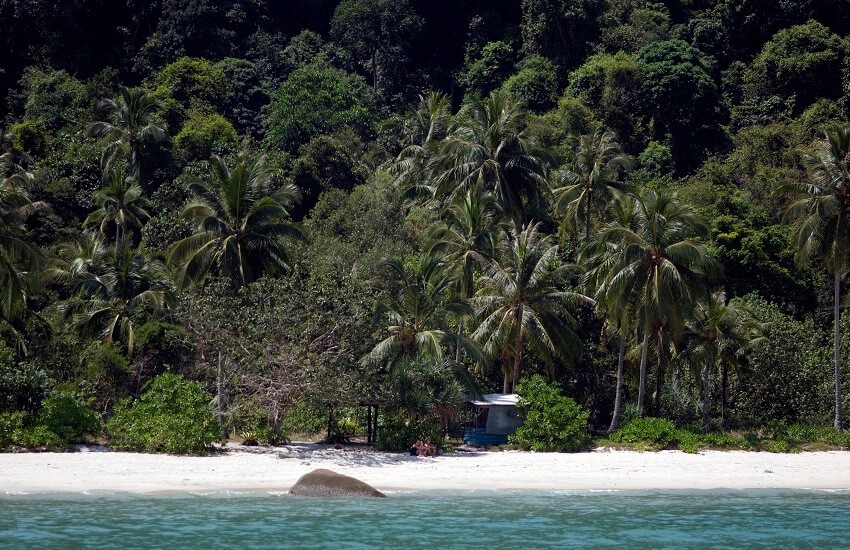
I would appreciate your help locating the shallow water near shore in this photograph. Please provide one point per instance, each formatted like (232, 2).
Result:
(437, 519)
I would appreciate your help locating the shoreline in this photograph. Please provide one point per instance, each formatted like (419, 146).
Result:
(276, 469)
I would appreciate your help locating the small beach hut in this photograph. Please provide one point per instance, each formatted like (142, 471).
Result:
(495, 416)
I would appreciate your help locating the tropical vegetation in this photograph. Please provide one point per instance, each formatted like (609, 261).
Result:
(278, 219)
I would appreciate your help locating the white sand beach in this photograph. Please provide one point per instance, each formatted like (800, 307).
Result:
(263, 469)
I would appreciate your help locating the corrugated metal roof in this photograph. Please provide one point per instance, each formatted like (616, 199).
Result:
(505, 399)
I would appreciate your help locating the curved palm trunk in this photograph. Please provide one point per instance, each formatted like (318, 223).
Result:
(643, 357)
(587, 217)
(615, 419)
(839, 420)
(660, 376)
(459, 336)
(709, 362)
(724, 391)
(518, 358)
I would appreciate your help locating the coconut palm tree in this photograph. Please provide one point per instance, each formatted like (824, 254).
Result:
(824, 228)
(718, 331)
(239, 224)
(119, 201)
(593, 178)
(617, 308)
(19, 261)
(111, 286)
(523, 304)
(416, 306)
(660, 268)
(425, 130)
(491, 147)
(131, 124)
(467, 241)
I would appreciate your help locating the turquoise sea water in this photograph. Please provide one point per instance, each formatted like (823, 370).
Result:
(490, 519)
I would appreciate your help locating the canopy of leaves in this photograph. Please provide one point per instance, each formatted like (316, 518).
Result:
(318, 99)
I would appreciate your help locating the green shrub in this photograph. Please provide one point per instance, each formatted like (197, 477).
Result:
(305, 419)
(651, 433)
(778, 446)
(688, 442)
(204, 134)
(551, 422)
(29, 136)
(11, 423)
(64, 414)
(536, 84)
(173, 416)
(40, 436)
(722, 440)
(398, 431)
(22, 385)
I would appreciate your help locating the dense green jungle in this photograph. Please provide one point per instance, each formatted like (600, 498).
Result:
(253, 219)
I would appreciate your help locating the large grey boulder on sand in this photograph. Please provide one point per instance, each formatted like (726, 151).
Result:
(326, 483)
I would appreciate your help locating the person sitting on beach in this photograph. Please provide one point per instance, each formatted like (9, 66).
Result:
(430, 448)
(418, 448)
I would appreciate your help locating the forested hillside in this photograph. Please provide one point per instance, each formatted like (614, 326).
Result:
(290, 208)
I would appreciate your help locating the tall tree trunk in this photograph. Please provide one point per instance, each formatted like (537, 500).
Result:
(375, 71)
(709, 361)
(587, 216)
(506, 381)
(219, 398)
(459, 336)
(839, 420)
(618, 395)
(518, 358)
(642, 381)
(660, 375)
(724, 385)
(117, 235)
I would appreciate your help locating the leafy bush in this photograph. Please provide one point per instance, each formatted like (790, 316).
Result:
(722, 440)
(29, 136)
(552, 422)
(10, 425)
(535, 84)
(204, 134)
(398, 431)
(688, 442)
(173, 416)
(105, 373)
(40, 436)
(486, 73)
(651, 433)
(305, 419)
(318, 99)
(22, 385)
(193, 79)
(67, 416)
